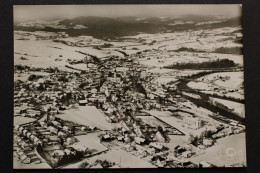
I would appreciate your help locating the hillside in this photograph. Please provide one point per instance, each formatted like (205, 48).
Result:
(108, 28)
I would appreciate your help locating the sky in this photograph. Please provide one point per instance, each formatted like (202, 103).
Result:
(29, 12)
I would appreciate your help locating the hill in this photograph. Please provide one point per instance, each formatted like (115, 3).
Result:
(112, 28)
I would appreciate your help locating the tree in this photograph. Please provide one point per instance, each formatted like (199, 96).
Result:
(193, 140)
(32, 77)
(83, 165)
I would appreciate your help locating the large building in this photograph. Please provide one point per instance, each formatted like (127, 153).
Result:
(192, 122)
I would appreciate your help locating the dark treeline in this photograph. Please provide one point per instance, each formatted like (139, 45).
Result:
(229, 50)
(186, 49)
(223, 63)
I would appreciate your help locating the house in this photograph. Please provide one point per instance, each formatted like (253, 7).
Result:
(187, 154)
(233, 123)
(201, 147)
(83, 128)
(32, 137)
(127, 139)
(37, 141)
(65, 128)
(24, 159)
(67, 151)
(160, 164)
(207, 142)
(54, 139)
(114, 119)
(156, 146)
(142, 152)
(43, 124)
(139, 140)
(23, 145)
(53, 129)
(51, 117)
(97, 166)
(124, 125)
(20, 129)
(115, 166)
(92, 128)
(106, 138)
(179, 150)
(83, 102)
(120, 138)
(20, 153)
(70, 140)
(56, 123)
(160, 137)
(151, 151)
(129, 148)
(188, 164)
(28, 134)
(204, 164)
(138, 131)
(108, 119)
(57, 154)
(18, 149)
(16, 127)
(24, 132)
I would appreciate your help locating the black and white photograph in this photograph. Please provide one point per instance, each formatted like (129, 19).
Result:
(128, 86)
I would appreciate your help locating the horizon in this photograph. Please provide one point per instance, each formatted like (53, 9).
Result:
(46, 12)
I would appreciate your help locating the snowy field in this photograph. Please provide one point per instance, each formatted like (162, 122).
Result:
(238, 108)
(19, 120)
(24, 76)
(152, 121)
(119, 156)
(210, 40)
(46, 53)
(165, 80)
(18, 165)
(229, 151)
(123, 159)
(86, 115)
(174, 122)
(227, 83)
(91, 141)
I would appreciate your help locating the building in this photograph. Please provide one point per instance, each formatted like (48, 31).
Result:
(24, 159)
(192, 122)
(204, 164)
(207, 142)
(139, 140)
(160, 137)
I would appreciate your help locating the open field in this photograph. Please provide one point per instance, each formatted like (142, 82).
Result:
(152, 121)
(91, 141)
(225, 83)
(18, 165)
(24, 76)
(229, 151)
(177, 40)
(178, 123)
(119, 156)
(46, 53)
(19, 120)
(123, 159)
(238, 108)
(86, 115)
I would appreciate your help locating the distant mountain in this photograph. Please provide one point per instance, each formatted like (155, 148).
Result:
(112, 28)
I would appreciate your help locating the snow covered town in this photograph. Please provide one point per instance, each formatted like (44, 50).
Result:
(172, 99)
